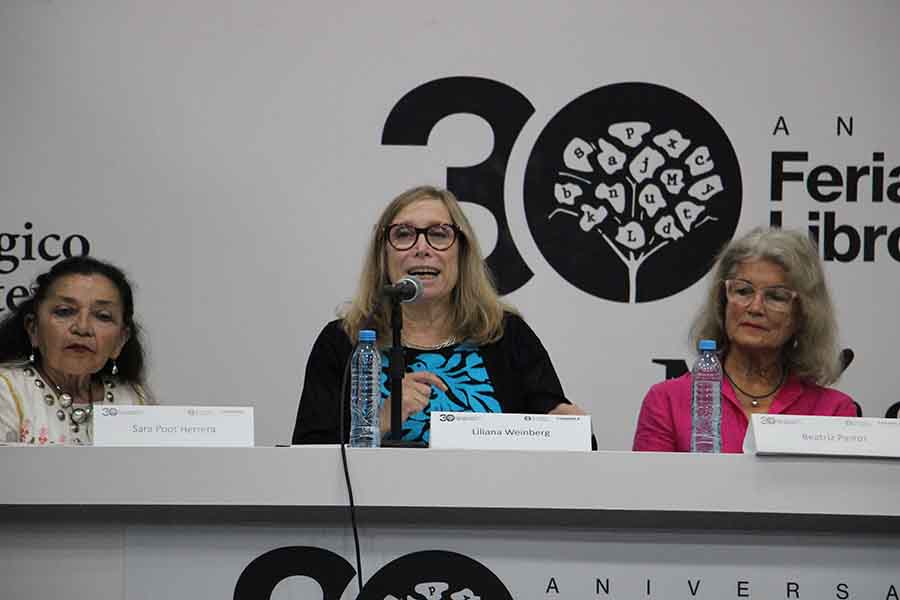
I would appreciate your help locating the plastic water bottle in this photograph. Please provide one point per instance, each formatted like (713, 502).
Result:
(706, 400)
(365, 392)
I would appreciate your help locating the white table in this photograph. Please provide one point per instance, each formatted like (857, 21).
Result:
(127, 522)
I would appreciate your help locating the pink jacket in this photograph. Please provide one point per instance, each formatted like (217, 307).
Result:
(664, 424)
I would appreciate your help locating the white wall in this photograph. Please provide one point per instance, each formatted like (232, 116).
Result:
(228, 156)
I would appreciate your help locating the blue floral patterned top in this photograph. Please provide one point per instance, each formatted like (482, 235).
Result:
(462, 368)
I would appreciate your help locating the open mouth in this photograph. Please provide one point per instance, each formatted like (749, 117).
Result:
(424, 273)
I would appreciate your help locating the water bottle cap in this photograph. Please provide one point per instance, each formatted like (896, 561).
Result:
(707, 345)
(366, 335)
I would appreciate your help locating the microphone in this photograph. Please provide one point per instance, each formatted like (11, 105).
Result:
(407, 289)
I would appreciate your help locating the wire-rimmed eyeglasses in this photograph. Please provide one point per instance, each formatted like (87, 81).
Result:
(403, 236)
(776, 298)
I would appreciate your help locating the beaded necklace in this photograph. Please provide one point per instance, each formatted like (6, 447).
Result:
(77, 415)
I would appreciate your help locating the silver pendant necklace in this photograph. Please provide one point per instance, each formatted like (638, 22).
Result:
(754, 399)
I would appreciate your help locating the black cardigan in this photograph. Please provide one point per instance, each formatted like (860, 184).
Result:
(518, 365)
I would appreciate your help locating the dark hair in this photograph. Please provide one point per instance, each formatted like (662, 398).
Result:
(15, 344)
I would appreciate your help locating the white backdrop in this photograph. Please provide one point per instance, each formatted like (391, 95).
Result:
(229, 157)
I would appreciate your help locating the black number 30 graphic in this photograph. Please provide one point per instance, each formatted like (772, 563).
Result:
(506, 111)
(428, 573)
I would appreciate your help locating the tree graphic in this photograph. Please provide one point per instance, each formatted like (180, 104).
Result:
(638, 193)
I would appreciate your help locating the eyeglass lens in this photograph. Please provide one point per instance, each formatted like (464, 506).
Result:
(742, 292)
(404, 237)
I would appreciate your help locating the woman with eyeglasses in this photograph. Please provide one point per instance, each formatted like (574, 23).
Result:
(770, 313)
(465, 350)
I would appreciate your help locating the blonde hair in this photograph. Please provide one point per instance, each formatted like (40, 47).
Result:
(813, 352)
(476, 309)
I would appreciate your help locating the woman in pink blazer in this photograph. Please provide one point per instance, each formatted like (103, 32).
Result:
(770, 313)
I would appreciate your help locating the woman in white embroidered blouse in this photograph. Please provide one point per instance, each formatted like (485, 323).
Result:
(72, 345)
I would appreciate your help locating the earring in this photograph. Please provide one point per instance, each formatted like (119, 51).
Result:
(31, 356)
(115, 368)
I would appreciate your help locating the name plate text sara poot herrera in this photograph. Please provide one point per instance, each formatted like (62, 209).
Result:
(212, 426)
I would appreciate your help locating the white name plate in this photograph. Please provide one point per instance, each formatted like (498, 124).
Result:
(212, 426)
(834, 436)
(506, 431)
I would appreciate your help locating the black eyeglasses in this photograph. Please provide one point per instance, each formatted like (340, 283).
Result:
(403, 236)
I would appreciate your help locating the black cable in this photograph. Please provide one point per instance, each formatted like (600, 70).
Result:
(347, 473)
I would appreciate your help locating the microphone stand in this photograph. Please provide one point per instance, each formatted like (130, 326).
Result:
(394, 438)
